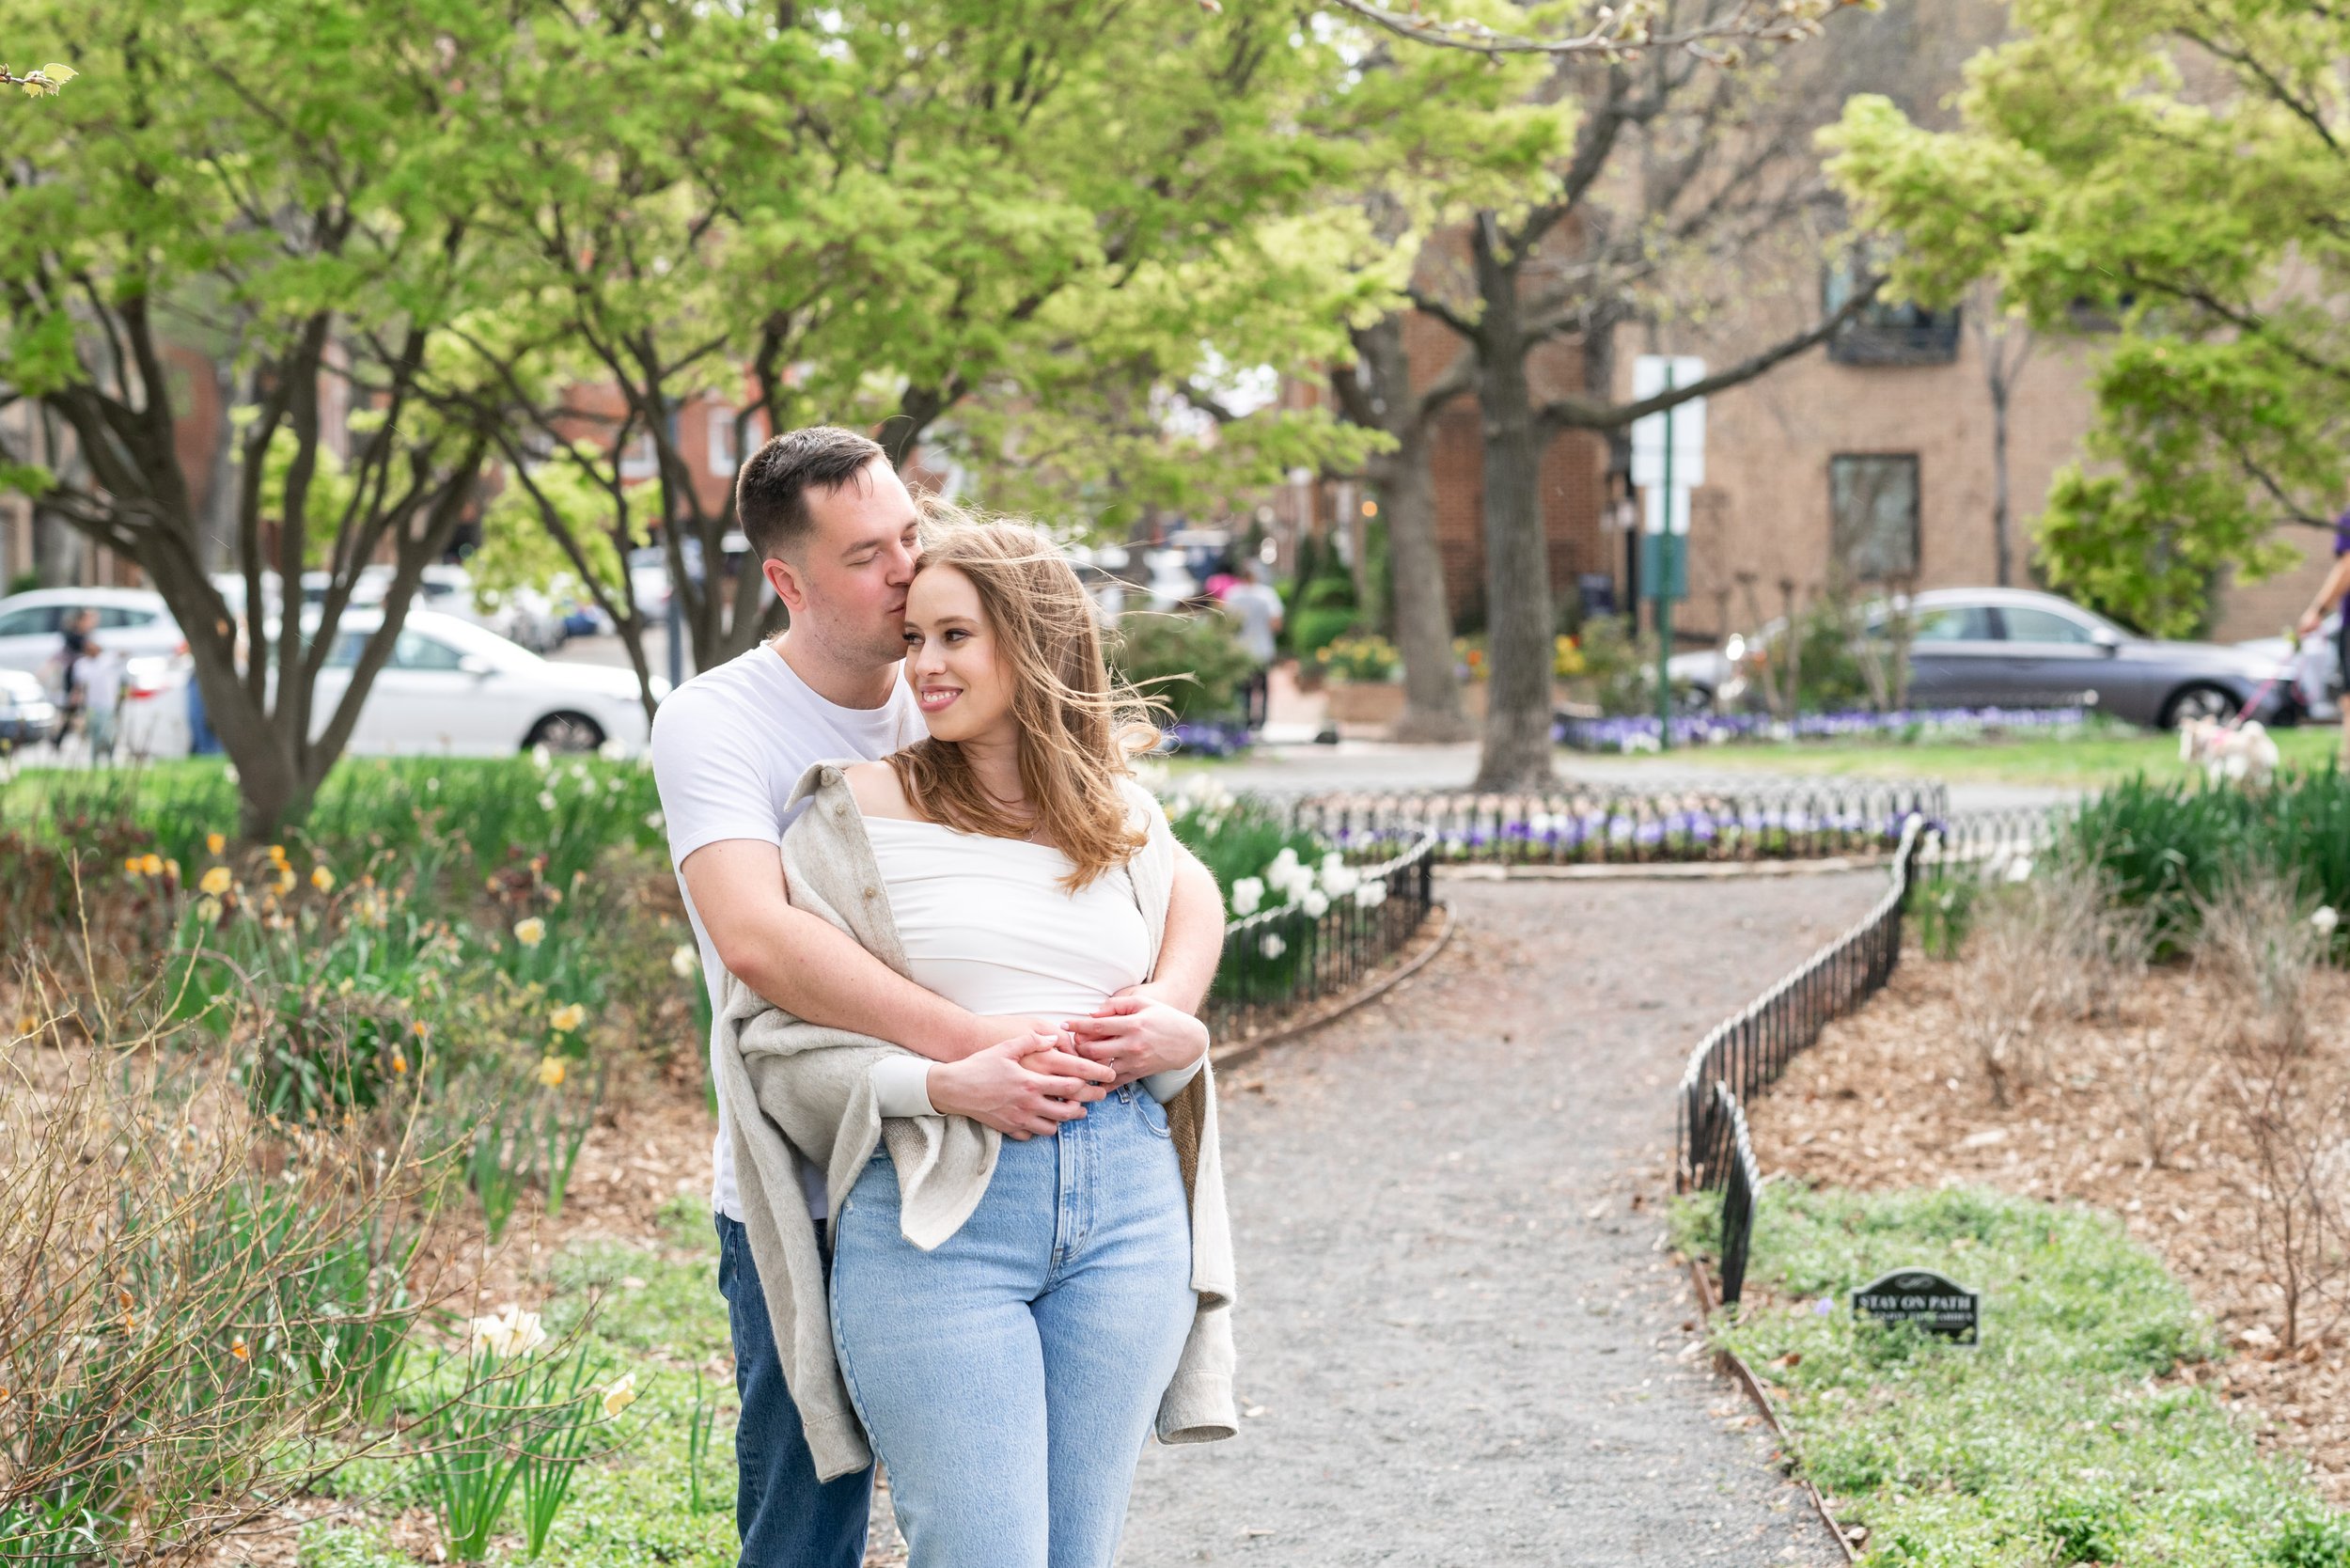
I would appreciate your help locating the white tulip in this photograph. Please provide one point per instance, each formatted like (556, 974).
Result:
(1247, 896)
(1370, 895)
(1315, 904)
(2326, 919)
(1273, 947)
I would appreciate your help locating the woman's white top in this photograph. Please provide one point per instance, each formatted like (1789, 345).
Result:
(986, 923)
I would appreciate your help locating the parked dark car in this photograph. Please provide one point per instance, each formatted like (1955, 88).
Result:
(2019, 648)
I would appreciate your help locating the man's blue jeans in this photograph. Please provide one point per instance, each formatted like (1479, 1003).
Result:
(786, 1519)
(1009, 1379)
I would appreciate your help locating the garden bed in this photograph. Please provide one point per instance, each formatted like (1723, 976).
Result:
(2077, 1432)
(1887, 1099)
(1641, 733)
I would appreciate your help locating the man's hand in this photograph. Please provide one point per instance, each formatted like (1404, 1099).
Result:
(1136, 1034)
(2311, 618)
(1024, 1088)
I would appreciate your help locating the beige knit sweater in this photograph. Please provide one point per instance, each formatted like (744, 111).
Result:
(790, 1085)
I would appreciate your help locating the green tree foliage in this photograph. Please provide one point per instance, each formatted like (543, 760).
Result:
(286, 201)
(2175, 168)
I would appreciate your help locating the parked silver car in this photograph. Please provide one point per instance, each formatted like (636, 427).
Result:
(2019, 647)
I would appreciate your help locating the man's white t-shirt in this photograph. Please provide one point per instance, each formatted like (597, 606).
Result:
(728, 748)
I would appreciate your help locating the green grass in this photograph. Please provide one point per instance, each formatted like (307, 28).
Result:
(633, 1506)
(2054, 1442)
(2081, 762)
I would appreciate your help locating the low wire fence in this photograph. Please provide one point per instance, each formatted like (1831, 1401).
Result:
(1648, 822)
(1748, 1050)
(1282, 959)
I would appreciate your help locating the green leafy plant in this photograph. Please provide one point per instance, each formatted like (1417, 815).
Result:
(1193, 664)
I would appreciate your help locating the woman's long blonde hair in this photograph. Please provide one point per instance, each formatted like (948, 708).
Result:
(1078, 730)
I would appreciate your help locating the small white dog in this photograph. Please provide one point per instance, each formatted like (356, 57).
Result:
(2245, 756)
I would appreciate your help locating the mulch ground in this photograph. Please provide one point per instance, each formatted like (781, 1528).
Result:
(1889, 1098)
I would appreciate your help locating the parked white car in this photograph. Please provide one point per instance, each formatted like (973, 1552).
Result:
(453, 688)
(134, 623)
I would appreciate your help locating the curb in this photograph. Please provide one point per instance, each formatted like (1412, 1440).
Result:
(1730, 1364)
(1241, 1051)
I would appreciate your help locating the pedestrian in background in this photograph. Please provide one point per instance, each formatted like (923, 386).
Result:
(2330, 595)
(1257, 608)
(97, 677)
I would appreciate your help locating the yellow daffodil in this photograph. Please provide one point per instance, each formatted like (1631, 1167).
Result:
(238, 1348)
(620, 1396)
(322, 879)
(151, 865)
(551, 1072)
(216, 881)
(530, 932)
(399, 1062)
(208, 910)
(284, 884)
(171, 870)
(215, 844)
(132, 865)
(568, 1019)
(418, 1028)
(278, 854)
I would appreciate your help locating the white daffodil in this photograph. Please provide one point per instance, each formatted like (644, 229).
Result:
(541, 759)
(1273, 947)
(1370, 895)
(2326, 919)
(683, 961)
(1338, 879)
(547, 800)
(614, 750)
(1316, 904)
(1247, 896)
(513, 1332)
(620, 1396)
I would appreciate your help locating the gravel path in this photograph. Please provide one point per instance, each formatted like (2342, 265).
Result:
(1459, 1339)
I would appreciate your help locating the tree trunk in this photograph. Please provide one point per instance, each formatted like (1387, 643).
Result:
(56, 549)
(1423, 620)
(2002, 551)
(1517, 556)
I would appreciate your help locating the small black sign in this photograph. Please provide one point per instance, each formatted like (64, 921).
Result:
(1934, 1301)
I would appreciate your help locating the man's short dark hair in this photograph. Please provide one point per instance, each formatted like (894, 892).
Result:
(771, 495)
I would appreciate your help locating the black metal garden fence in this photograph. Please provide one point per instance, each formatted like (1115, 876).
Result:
(1590, 823)
(1742, 1185)
(1281, 960)
(1751, 1048)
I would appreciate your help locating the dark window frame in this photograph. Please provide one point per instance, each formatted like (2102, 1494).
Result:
(1838, 549)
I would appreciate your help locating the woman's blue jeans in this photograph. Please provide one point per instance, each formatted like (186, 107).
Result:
(1009, 1379)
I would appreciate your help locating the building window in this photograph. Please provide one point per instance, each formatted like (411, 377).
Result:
(1883, 333)
(723, 457)
(638, 459)
(1872, 506)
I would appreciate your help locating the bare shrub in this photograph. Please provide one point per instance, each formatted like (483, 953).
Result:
(203, 1311)
(2258, 945)
(2056, 945)
(2165, 1085)
(2294, 1114)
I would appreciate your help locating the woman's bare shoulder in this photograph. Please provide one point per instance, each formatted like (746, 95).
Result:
(875, 789)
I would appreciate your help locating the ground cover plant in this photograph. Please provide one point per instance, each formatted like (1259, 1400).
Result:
(2067, 1436)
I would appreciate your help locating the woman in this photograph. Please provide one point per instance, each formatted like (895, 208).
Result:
(1004, 1318)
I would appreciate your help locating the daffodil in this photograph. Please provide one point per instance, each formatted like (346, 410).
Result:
(238, 1348)
(620, 1396)
(567, 1018)
(208, 910)
(322, 879)
(530, 932)
(132, 865)
(215, 844)
(399, 1062)
(513, 1332)
(151, 865)
(683, 961)
(551, 1072)
(216, 881)
(171, 870)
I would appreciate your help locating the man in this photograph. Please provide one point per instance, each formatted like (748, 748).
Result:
(838, 533)
(2332, 593)
(1258, 607)
(96, 677)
